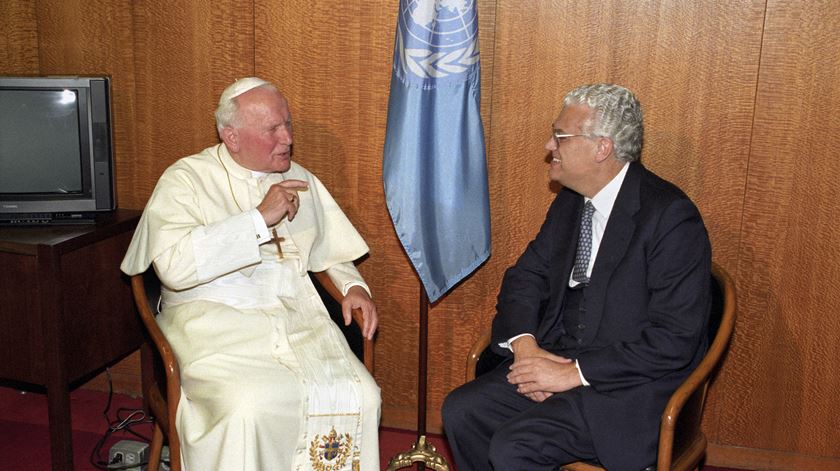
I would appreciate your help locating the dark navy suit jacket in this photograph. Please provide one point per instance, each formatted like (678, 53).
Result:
(647, 308)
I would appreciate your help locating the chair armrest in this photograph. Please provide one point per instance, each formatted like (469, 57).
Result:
(167, 355)
(695, 385)
(475, 352)
(581, 466)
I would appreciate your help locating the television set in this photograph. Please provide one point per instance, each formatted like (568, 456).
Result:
(56, 153)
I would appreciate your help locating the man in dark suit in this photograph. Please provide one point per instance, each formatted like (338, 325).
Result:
(601, 318)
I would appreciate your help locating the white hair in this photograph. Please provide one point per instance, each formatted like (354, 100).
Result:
(617, 115)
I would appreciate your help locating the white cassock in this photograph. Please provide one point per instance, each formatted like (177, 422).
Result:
(268, 380)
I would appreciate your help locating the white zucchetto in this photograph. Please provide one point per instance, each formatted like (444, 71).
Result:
(241, 86)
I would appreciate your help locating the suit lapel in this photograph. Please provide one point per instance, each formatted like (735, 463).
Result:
(620, 228)
(561, 263)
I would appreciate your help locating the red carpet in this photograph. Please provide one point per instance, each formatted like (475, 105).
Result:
(24, 433)
(24, 436)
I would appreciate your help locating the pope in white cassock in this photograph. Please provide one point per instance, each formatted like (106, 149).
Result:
(268, 380)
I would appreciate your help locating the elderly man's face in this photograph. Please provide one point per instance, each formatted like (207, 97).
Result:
(263, 133)
(572, 157)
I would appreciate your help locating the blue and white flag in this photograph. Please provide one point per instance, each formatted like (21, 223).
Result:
(434, 168)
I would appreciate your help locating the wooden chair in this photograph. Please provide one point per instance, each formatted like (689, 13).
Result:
(162, 392)
(681, 442)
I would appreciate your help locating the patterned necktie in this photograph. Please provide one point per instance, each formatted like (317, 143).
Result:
(584, 248)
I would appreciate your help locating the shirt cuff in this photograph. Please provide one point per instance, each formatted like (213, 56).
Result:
(259, 226)
(351, 284)
(509, 343)
(580, 373)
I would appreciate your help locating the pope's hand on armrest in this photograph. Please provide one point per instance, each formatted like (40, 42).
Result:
(358, 298)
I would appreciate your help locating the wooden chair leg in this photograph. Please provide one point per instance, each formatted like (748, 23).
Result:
(156, 448)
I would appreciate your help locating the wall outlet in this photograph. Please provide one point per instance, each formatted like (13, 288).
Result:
(128, 452)
(164, 459)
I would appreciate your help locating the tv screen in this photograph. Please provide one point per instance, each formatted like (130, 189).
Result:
(50, 165)
(56, 164)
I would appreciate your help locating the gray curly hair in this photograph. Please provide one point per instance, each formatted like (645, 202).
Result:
(617, 115)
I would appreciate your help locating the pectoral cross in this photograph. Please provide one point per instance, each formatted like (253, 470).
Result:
(277, 239)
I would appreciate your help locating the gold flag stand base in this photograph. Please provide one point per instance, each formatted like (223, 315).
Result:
(422, 452)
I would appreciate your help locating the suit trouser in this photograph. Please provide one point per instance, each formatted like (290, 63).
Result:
(491, 426)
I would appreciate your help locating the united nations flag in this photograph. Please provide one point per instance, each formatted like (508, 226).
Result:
(434, 168)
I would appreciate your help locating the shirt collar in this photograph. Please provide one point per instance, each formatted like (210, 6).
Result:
(230, 165)
(605, 199)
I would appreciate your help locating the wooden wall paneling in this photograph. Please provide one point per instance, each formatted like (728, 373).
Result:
(738, 457)
(778, 389)
(186, 53)
(19, 38)
(696, 82)
(121, 378)
(95, 38)
(333, 65)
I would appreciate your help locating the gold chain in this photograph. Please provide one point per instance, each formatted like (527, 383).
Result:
(230, 185)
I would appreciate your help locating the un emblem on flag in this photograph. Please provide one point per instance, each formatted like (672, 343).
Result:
(437, 39)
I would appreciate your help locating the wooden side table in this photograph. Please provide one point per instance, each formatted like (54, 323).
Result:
(66, 311)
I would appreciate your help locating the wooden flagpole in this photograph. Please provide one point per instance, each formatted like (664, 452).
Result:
(422, 453)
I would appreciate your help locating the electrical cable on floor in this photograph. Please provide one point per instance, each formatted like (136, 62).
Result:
(135, 416)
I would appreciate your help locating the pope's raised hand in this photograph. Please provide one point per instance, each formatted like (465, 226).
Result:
(281, 200)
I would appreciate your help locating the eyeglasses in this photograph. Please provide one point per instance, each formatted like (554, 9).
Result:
(560, 136)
